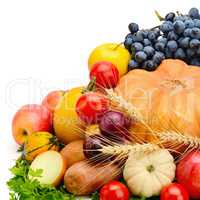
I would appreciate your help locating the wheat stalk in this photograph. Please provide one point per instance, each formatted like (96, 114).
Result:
(174, 137)
(125, 149)
(122, 103)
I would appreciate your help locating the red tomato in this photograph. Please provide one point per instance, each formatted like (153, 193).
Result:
(174, 191)
(91, 106)
(114, 190)
(188, 173)
(106, 74)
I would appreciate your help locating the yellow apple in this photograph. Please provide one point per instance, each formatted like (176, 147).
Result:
(67, 126)
(111, 52)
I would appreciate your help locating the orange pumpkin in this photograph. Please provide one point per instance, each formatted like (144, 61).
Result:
(167, 98)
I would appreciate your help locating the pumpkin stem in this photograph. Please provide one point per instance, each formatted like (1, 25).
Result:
(150, 168)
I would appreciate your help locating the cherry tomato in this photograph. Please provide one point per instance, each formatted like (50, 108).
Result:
(114, 190)
(106, 74)
(91, 106)
(174, 191)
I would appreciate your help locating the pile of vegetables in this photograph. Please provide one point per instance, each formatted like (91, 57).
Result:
(127, 135)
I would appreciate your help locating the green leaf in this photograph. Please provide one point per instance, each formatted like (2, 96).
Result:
(35, 173)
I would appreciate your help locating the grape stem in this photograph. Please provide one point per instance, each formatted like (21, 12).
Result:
(159, 16)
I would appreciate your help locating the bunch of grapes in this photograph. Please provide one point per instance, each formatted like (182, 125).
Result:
(177, 37)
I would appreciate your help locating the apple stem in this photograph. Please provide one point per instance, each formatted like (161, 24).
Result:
(115, 48)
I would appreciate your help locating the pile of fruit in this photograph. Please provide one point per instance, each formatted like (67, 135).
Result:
(177, 37)
(132, 133)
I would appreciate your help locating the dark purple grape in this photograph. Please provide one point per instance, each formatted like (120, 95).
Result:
(196, 23)
(168, 53)
(158, 57)
(189, 23)
(166, 27)
(114, 125)
(149, 65)
(144, 33)
(195, 62)
(194, 43)
(195, 33)
(149, 51)
(137, 46)
(172, 45)
(172, 36)
(147, 42)
(190, 53)
(179, 27)
(151, 36)
(194, 13)
(163, 40)
(159, 46)
(157, 32)
(139, 36)
(184, 43)
(180, 54)
(140, 56)
(187, 32)
(128, 42)
(133, 65)
(170, 16)
(133, 27)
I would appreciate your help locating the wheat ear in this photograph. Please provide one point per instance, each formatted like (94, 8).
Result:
(125, 149)
(168, 136)
(122, 103)
(128, 107)
(172, 136)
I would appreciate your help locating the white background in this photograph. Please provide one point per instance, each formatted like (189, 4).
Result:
(44, 46)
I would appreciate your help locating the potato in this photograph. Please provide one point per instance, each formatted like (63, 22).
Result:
(53, 167)
(73, 152)
(83, 178)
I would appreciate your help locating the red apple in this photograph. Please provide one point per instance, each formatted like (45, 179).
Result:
(188, 173)
(30, 118)
(52, 99)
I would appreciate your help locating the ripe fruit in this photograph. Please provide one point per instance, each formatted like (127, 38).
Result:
(114, 53)
(66, 123)
(174, 191)
(28, 119)
(53, 167)
(114, 190)
(91, 106)
(133, 27)
(52, 99)
(73, 152)
(188, 173)
(37, 143)
(105, 73)
(176, 31)
(114, 124)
